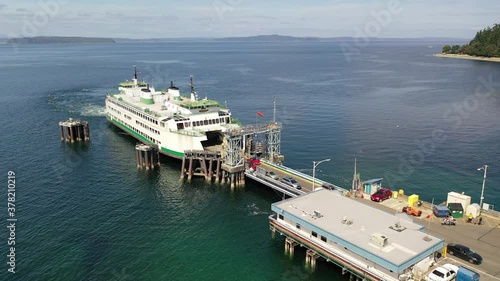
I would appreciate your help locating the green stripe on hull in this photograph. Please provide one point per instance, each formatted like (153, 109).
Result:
(173, 153)
(145, 140)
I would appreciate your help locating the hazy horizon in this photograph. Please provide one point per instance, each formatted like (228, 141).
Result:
(239, 18)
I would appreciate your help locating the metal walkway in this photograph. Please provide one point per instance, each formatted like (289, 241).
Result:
(304, 180)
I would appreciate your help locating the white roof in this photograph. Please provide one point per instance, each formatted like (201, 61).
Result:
(332, 208)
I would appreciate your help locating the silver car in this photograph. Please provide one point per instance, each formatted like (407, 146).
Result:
(291, 182)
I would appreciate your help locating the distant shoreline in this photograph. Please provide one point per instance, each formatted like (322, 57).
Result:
(467, 57)
(59, 40)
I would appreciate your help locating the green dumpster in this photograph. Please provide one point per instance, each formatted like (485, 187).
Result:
(456, 210)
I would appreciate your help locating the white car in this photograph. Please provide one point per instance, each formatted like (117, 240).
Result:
(443, 273)
(272, 175)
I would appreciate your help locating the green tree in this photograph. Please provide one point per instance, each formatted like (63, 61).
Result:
(446, 49)
(486, 43)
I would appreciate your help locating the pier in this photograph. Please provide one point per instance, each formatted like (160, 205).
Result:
(484, 238)
(254, 153)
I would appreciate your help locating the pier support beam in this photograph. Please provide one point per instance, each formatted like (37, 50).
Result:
(290, 246)
(311, 257)
(210, 169)
(190, 169)
(183, 167)
(217, 171)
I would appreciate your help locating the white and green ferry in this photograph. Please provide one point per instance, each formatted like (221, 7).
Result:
(172, 122)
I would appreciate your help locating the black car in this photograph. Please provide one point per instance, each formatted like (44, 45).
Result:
(328, 186)
(464, 253)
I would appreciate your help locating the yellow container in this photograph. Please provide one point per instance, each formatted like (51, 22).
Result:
(395, 194)
(412, 199)
(401, 192)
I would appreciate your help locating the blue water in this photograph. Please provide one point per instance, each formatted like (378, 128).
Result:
(423, 123)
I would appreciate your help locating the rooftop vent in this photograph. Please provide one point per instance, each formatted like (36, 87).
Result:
(378, 239)
(318, 214)
(397, 226)
(346, 221)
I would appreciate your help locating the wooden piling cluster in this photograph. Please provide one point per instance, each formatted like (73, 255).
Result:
(147, 156)
(235, 179)
(210, 165)
(311, 257)
(290, 246)
(74, 130)
(202, 163)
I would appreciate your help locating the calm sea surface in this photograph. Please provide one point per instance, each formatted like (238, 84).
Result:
(424, 124)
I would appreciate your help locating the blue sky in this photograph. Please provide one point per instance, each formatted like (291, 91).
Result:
(223, 18)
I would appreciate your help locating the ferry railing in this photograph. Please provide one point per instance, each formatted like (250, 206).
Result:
(187, 132)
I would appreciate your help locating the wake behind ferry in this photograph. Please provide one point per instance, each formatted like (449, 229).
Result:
(172, 122)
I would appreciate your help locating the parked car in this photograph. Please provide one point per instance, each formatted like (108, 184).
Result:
(412, 211)
(272, 175)
(328, 186)
(464, 253)
(443, 273)
(291, 182)
(381, 195)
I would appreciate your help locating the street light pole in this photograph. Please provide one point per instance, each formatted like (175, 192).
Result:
(314, 169)
(485, 168)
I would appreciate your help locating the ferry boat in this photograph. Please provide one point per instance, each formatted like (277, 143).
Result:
(172, 122)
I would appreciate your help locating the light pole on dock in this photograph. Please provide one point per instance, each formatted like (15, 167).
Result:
(316, 163)
(485, 168)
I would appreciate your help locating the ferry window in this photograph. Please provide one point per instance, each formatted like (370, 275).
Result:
(162, 124)
(217, 121)
(314, 234)
(205, 122)
(280, 217)
(323, 238)
(186, 124)
(298, 226)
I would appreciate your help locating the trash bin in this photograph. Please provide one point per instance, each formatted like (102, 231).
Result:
(401, 192)
(456, 210)
(395, 194)
(440, 211)
(412, 199)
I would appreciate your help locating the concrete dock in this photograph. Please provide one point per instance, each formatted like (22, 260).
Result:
(484, 238)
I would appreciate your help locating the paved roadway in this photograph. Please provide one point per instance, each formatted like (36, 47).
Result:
(484, 239)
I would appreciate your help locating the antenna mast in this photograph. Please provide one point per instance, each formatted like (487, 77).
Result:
(274, 110)
(191, 84)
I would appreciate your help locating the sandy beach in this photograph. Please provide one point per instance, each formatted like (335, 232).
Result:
(467, 57)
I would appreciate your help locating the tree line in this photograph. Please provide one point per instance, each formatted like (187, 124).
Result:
(486, 43)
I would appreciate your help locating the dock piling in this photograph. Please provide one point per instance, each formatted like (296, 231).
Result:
(146, 156)
(74, 130)
(290, 246)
